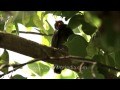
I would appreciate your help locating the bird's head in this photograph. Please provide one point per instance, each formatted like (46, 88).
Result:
(58, 25)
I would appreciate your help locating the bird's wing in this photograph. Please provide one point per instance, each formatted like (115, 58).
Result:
(55, 39)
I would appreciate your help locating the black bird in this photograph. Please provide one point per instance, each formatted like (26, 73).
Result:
(60, 36)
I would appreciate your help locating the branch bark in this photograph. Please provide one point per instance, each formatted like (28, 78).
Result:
(26, 47)
(30, 48)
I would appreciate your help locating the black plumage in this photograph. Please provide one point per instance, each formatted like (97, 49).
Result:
(60, 36)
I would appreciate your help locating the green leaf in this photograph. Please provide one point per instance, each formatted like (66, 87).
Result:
(88, 28)
(39, 23)
(9, 25)
(18, 77)
(2, 26)
(99, 58)
(86, 73)
(77, 45)
(25, 18)
(4, 59)
(91, 49)
(75, 21)
(46, 40)
(58, 13)
(51, 30)
(39, 68)
(68, 14)
(109, 61)
(92, 19)
(76, 30)
(117, 59)
(89, 72)
(68, 74)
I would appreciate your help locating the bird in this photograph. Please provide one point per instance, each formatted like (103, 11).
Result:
(60, 36)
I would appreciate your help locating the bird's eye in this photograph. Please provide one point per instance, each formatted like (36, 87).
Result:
(59, 24)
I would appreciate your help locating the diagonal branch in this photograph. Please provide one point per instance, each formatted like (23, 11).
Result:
(27, 47)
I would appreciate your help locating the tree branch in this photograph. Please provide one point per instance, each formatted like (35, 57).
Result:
(30, 48)
(27, 47)
(75, 67)
(44, 53)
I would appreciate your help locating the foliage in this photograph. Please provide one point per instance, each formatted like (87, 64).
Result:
(95, 38)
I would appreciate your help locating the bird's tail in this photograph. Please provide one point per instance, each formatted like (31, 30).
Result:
(58, 69)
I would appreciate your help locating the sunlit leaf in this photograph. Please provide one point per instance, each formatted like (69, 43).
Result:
(68, 74)
(46, 40)
(92, 19)
(39, 23)
(39, 68)
(50, 30)
(4, 59)
(25, 18)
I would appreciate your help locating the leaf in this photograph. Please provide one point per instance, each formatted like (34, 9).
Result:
(9, 25)
(109, 61)
(77, 45)
(39, 68)
(51, 30)
(46, 40)
(88, 74)
(91, 49)
(99, 58)
(92, 19)
(75, 21)
(4, 59)
(117, 59)
(28, 22)
(68, 74)
(88, 28)
(39, 23)
(25, 18)
(58, 13)
(18, 77)
(2, 26)
(68, 14)
(76, 30)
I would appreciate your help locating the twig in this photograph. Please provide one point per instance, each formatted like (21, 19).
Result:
(108, 67)
(35, 33)
(17, 66)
